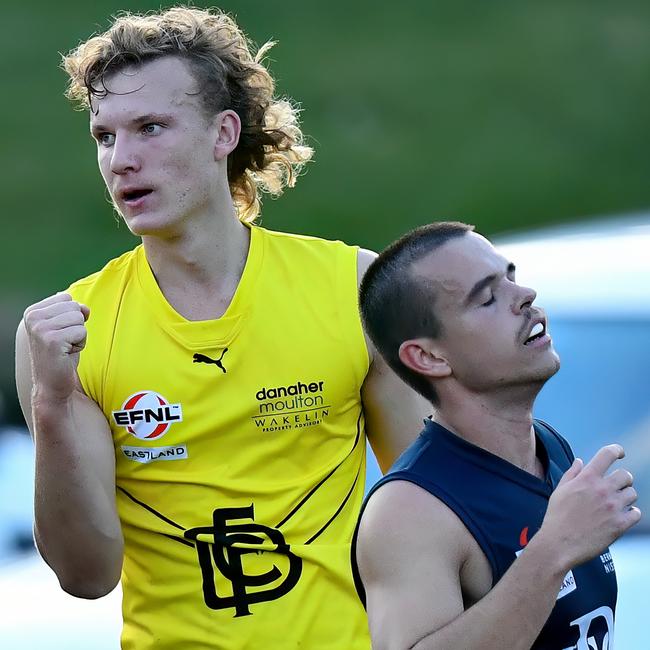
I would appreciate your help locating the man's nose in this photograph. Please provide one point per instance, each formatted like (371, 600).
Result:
(524, 299)
(124, 158)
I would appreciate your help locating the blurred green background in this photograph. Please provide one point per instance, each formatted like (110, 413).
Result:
(506, 114)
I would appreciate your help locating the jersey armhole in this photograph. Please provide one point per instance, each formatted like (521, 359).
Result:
(445, 498)
(348, 311)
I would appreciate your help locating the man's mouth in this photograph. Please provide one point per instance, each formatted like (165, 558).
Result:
(130, 196)
(538, 331)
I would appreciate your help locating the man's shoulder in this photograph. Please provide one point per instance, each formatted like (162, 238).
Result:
(403, 514)
(315, 259)
(299, 240)
(112, 273)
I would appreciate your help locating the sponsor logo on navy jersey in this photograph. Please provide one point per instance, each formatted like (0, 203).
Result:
(569, 581)
(596, 630)
(608, 563)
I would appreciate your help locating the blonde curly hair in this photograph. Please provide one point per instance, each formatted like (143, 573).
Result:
(271, 149)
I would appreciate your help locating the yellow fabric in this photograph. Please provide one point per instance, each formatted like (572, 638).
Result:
(243, 543)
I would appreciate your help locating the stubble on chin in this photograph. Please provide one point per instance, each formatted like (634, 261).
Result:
(482, 381)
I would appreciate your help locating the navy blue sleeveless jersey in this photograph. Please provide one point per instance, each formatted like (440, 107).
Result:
(503, 506)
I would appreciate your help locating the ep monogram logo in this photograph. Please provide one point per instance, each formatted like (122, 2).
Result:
(224, 547)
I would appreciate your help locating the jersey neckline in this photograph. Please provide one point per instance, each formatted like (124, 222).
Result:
(214, 332)
(495, 463)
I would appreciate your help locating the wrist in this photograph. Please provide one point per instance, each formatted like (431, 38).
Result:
(48, 403)
(548, 553)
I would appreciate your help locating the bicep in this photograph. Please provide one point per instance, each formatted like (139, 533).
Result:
(409, 565)
(393, 412)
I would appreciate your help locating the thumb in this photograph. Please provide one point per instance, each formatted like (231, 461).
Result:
(572, 472)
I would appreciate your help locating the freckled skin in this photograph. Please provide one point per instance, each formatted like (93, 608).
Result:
(178, 163)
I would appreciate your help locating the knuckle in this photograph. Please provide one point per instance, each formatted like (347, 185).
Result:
(30, 318)
(611, 507)
(49, 338)
(69, 306)
(602, 491)
(79, 333)
(38, 328)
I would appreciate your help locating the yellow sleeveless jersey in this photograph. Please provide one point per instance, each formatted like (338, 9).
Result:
(240, 449)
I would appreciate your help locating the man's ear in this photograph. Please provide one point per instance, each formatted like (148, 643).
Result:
(424, 357)
(228, 127)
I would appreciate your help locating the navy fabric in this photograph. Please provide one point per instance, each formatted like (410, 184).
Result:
(503, 506)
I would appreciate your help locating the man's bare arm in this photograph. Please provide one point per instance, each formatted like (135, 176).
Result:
(393, 410)
(76, 528)
(413, 555)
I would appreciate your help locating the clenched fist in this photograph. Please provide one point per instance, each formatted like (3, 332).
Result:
(56, 333)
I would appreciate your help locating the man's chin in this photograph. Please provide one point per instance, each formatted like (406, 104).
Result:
(554, 365)
(545, 373)
(546, 365)
(143, 226)
(537, 377)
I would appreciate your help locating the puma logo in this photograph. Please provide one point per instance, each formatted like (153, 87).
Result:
(201, 358)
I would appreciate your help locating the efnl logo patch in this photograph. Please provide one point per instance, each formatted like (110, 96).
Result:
(147, 415)
(569, 582)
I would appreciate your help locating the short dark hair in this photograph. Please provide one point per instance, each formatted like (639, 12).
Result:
(397, 306)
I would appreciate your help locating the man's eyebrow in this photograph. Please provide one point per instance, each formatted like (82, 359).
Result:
(140, 119)
(486, 282)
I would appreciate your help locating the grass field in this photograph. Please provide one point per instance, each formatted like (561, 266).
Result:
(505, 114)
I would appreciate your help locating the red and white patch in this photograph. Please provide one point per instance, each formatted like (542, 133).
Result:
(569, 582)
(147, 415)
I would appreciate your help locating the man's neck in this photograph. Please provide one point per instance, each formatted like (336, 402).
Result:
(198, 270)
(501, 423)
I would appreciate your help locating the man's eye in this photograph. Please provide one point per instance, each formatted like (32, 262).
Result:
(152, 129)
(106, 139)
(489, 302)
